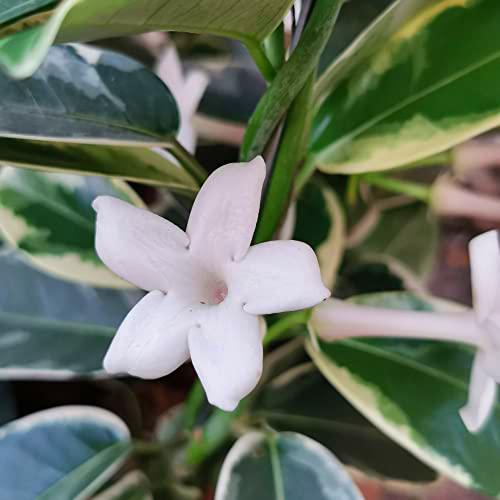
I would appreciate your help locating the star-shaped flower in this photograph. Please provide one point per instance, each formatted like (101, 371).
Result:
(207, 286)
(484, 253)
(480, 327)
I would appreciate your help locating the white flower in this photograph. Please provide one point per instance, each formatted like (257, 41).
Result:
(480, 328)
(206, 286)
(187, 90)
(485, 273)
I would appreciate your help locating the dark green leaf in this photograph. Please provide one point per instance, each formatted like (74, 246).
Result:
(282, 466)
(62, 453)
(409, 87)
(412, 391)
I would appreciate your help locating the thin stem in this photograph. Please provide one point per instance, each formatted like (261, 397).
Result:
(278, 330)
(415, 190)
(260, 59)
(336, 320)
(188, 161)
(304, 174)
(291, 147)
(450, 199)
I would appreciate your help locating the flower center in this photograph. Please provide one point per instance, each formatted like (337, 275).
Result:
(218, 292)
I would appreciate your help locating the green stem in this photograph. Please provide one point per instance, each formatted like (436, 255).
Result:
(290, 79)
(188, 161)
(292, 145)
(274, 45)
(260, 59)
(279, 488)
(415, 190)
(277, 331)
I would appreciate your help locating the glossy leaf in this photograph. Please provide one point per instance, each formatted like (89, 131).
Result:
(52, 329)
(412, 391)
(14, 9)
(146, 166)
(85, 95)
(302, 400)
(85, 20)
(50, 218)
(279, 466)
(65, 452)
(399, 94)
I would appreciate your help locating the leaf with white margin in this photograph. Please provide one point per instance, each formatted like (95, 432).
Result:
(49, 217)
(412, 391)
(52, 329)
(132, 486)
(77, 20)
(399, 94)
(86, 95)
(61, 453)
(320, 222)
(278, 466)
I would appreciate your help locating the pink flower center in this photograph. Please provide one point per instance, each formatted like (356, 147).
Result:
(219, 292)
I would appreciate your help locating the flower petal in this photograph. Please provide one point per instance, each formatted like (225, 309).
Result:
(277, 276)
(226, 351)
(484, 253)
(143, 248)
(152, 340)
(482, 397)
(225, 212)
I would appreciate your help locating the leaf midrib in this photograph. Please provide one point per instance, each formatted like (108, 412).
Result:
(54, 324)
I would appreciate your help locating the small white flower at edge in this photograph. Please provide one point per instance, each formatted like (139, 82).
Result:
(187, 90)
(207, 286)
(480, 328)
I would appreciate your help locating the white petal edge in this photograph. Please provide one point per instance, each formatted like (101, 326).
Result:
(151, 342)
(144, 249)
(277, 276)
(482, 397)
(226, 351)
(484, 251)
(224, 214)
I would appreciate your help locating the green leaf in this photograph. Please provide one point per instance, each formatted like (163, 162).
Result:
(86, 95)
(412, 391)
(50, 218)
(399, 94)
(85, 20)
(396, 240)
(302, 400)
(291, 78)
(66, 452)
(279, 466)
(319, 221)
(146, 166)
(63, 337)
(10, 10)
(132, 486)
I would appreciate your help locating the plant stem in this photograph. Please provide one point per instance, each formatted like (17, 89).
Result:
(277, 331)
(295, 133)
(338, 319)
(413, 189)
(274, 45)
(188, 161)
(260, 59)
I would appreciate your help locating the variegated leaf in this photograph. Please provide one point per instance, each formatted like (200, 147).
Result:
(52, 329)
(84, 20)
(412, 391)
(49, 217)
(65, 452)
(400, 93)
(279, 466)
